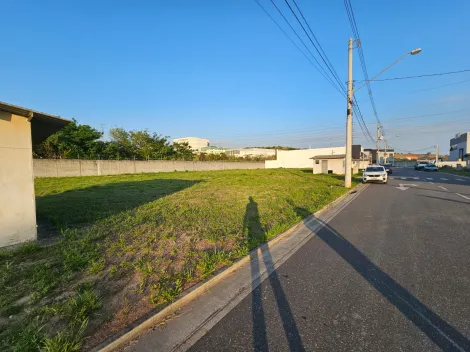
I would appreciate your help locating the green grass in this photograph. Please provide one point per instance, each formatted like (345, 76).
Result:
(133, 243)
(455, 171)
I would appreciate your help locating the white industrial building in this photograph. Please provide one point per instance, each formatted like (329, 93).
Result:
(300, 159)
(195, 143)
(251, 152)
(460, 147)
(321, 160)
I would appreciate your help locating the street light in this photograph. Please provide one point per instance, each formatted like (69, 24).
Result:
(351, 91)
(412, 52)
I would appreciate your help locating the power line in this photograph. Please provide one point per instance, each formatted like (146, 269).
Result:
(420, 150)
(420, 76)
(311, 41)
(319, 68)
(355, 30)
(444, 85)
(335, 81)
(283, 31)
(352, 22)
(328, 64)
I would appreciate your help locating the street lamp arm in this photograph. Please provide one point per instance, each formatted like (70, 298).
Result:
(378, 74)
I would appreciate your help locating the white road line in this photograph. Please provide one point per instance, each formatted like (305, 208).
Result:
(415, 178)
(403, 178)
(459, 179)
(444, 179)
(445, 189)
(431, 183)
(429, 178)
(462, 196)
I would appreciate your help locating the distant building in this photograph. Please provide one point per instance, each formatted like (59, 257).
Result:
(251, 152)
(460, 147)
(213, 150)
(336, 164)
(195, 143)
(330, 159)
(380, 156)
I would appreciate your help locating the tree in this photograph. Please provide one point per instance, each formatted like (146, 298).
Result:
(183, 151)
(72, 142)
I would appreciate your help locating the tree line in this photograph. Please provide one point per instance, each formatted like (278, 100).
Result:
(76, 141)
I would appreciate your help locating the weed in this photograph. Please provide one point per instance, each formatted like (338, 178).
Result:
(44, 278)
(97, 266)
(22, 338)
(210, 261)
(65, 341)
(113, 270)
(78, 308)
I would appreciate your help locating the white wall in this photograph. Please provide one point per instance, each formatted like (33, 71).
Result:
(300, 159)
(335, 165)
(72, 167)
(242, 152)
(452, 163)
(17, 201)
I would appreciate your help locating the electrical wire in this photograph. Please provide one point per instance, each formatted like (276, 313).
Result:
(311, 41)
(355, 30)
(420, 76)
(328, 64)
(335, 81)
(290, 39)
(444, 85)
(319, 68)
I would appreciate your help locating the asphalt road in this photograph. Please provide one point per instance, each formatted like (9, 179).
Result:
(391, 272)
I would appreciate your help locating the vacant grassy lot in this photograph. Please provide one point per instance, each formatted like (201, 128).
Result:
(131, 244)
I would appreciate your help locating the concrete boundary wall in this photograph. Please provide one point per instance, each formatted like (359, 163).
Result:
(73, 167)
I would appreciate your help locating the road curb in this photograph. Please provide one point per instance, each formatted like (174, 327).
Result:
(118, 341)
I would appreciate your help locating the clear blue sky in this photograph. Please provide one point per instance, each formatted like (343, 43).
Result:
(222, 69)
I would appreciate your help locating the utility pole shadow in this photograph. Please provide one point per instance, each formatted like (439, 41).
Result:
(438, 330)
(257, 236)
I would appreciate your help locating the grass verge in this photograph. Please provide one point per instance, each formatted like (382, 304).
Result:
(131, 244)
(455, 171)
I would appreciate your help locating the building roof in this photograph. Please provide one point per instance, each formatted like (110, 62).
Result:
(196, 138)
(380, 150)
(331, 156)
(42, 124)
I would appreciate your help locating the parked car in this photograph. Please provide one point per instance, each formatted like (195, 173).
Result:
(388, 168)
(430, 167)
(420, 165)
(375, 173)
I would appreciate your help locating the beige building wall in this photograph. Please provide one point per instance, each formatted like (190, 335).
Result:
(195, 143)
(17, 200)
